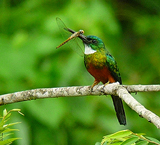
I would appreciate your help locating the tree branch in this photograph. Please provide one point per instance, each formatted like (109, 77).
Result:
(136, 106)
(111, 89)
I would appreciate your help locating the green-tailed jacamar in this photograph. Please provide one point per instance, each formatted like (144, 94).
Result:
(103, 67)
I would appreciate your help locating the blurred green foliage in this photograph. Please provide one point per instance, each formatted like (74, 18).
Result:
(28, 58)
(127, 137)
(5, 130)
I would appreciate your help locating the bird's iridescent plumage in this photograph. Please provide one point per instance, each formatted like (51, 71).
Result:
(103, 67)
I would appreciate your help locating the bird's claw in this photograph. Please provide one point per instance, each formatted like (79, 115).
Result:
(91, 88)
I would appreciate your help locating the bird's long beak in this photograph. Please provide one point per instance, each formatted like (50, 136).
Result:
(81, 36)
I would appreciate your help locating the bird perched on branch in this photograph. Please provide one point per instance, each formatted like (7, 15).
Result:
(100, 64)
(103, 67)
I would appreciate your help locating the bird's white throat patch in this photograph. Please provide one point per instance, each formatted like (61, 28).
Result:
(89, 50)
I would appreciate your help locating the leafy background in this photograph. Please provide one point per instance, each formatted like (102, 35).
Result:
(28, 58)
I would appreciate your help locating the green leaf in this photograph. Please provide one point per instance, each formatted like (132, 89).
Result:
(121, 134)
(5, 135)
(130, 141)
(7, 116)
(11, 124)
(4, 142)
(144, 142)
(153, 139)
(4, 112)
(2, 128)
(9, 130)
(2, 123)
(116, 143)
(117, 135)
(5, 120)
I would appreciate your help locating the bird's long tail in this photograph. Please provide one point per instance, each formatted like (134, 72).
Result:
(118, 105)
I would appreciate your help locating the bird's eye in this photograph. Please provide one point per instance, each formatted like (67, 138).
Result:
(94, 41)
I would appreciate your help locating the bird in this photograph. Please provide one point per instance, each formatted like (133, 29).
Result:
(103, 67)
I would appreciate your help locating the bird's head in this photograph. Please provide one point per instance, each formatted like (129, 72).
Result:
(92, 43)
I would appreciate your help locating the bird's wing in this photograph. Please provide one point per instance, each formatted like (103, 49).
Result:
(112, 66)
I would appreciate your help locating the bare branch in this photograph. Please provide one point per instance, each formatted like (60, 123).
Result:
(136, 106)
(111, 89)
(142, 88)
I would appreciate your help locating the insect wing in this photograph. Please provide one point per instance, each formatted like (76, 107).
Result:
(75, 43)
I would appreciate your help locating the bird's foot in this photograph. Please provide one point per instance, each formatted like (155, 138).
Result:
(94, 84)
(91, 89)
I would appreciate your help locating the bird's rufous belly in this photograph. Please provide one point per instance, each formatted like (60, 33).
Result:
(101, 74)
